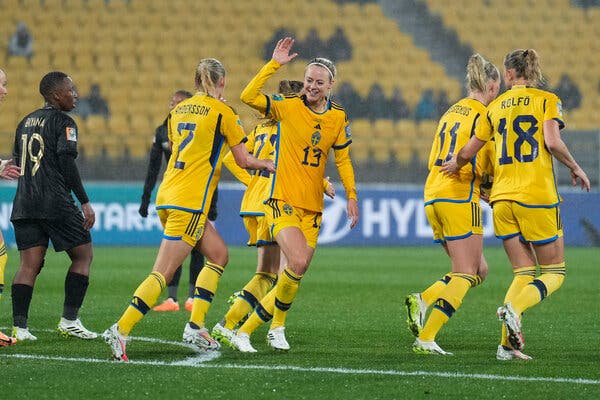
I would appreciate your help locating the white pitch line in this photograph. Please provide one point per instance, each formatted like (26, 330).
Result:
(130, 338)
(199, 362)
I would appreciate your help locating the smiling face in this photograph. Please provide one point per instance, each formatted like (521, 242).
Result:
(3, 89)
(66, 95)
(317, 83)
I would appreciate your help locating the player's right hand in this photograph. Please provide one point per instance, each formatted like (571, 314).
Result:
(89, 216)
(268, 165)
(9, 171)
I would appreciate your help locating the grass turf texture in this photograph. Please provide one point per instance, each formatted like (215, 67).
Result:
(347, 331)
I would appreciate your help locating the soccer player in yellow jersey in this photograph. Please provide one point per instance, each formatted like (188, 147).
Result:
(6, 172)
(261, 141)
(199, 127)
(525, 124)
(452, 208)
(310, 125)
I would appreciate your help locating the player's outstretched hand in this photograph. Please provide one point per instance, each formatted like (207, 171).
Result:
(9, 171)
(281, 54)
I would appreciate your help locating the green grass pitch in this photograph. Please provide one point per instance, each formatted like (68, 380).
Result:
(347, 331)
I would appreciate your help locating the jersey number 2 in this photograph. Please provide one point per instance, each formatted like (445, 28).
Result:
(181, 127)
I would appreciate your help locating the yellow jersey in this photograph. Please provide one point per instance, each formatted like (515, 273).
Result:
(198, 128)
(454, 130)
(305, 138)
(523, 166)
(260, 143)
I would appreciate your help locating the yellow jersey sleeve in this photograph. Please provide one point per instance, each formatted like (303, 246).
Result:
(553, 110)
(252, 95)
(346, 171)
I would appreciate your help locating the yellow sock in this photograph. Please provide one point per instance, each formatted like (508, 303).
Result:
(3, 261)
(521, 278)
(206, 286)
(550, 279)
(449, 301)
(144, 298)
(249, 297)
(262, 313)
(285, 293)
(431, 294)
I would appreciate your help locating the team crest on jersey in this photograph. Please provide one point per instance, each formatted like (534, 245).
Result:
(71, 134)
(287, 209)
(315, 138)
(277, 97)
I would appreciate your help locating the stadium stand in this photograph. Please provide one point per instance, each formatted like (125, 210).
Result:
(137, 70)
(95, 41)
(565, 37)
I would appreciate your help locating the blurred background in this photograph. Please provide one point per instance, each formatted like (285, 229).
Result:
(400, 64)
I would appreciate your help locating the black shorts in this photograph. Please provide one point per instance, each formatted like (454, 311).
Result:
(65, 233)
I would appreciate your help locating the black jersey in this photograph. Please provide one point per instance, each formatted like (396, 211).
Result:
(41, 139)
(161, 140)
(160, 147)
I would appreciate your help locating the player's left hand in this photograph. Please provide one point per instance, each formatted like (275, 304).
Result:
(579, 173)
(352, 210)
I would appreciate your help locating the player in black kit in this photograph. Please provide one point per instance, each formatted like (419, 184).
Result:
(162, 147)
(43, 209)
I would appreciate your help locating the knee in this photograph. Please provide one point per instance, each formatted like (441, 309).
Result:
(82, 255)
(84, 260)
(482, 272)
(299, 263)
(222, 258)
